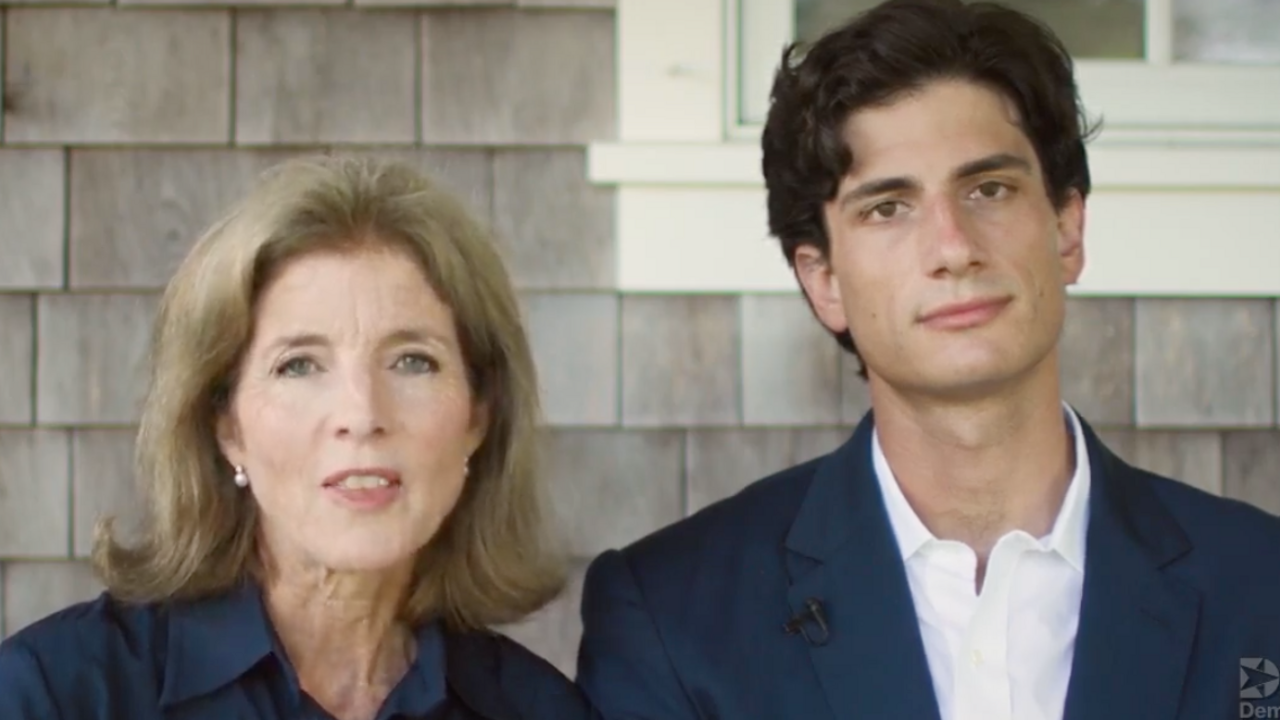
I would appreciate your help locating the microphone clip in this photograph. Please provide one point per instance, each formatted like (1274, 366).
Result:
(800, 621)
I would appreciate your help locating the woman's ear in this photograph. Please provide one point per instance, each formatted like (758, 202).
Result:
(229, 442)
(480, 419)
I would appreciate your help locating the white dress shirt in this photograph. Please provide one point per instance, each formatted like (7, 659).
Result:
(1004, 654)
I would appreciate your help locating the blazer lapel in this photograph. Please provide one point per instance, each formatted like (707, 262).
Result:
(842, 555)
(1137, 624)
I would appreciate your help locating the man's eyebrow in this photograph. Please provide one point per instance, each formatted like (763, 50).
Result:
(998, 161)
(882, 186)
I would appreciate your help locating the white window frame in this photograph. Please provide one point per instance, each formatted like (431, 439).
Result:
(1187, 200)
(1223, 110)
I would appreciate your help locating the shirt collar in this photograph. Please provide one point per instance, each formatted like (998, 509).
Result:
(217, 640)
(1069, 529)
(212, 642)
(424, 686)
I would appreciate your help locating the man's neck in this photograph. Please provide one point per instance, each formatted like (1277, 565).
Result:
(975, 471)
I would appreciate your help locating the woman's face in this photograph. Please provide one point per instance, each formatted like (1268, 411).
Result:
(353, 417)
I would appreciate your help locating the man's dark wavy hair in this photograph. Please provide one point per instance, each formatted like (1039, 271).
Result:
(892, 49)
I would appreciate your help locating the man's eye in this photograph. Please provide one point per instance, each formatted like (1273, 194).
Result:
(992, 190)
(885, 210)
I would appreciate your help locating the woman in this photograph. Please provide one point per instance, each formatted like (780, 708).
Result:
(337, 451)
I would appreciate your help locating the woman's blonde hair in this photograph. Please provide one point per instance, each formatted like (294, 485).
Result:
(491, 562)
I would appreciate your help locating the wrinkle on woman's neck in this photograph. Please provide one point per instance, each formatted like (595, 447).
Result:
(340, 629)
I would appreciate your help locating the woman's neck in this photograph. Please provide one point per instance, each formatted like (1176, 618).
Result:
(343, 633)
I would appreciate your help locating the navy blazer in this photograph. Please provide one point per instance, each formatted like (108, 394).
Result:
(219, 659)
(1181, 589)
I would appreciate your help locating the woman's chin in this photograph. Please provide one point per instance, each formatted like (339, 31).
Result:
(361, 555)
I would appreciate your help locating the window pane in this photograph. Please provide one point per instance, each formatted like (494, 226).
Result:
(1227, 31)
(1110, 29)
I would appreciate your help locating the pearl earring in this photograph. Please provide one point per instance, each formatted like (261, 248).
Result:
(466, 467)
(242, 479)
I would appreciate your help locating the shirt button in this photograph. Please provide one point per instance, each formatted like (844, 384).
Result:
(977, 658)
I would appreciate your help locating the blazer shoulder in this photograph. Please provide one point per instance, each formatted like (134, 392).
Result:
(1225, 536)
(757, 516)
(1205, 515)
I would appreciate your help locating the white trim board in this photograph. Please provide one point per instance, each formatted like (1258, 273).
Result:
(1112, 166)
(670, 70)
(1205, 243)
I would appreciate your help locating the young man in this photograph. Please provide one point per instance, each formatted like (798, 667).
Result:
(973, 552)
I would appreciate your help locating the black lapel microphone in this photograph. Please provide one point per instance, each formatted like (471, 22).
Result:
(800, 621)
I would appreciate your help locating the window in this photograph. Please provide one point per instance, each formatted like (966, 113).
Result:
(1155, 70)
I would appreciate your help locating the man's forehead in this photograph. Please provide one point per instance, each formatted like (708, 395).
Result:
(937, 143)
(939, 105)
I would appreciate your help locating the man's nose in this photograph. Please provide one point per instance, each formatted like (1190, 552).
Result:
(951, 237)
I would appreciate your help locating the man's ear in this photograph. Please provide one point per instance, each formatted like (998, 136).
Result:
(821, 286)
(1071, 221)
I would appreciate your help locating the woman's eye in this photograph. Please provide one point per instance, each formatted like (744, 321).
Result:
(415, 363)
(296, 367)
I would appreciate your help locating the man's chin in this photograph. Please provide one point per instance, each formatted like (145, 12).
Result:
(960, 381)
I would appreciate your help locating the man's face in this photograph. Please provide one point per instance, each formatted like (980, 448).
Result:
(948, 263)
